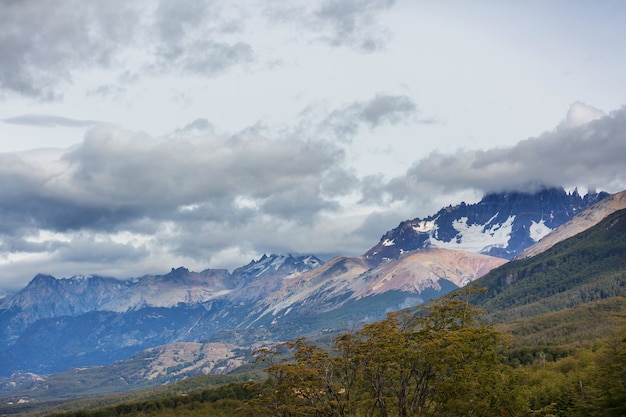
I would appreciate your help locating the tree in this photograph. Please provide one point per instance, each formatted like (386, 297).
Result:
(606, 393)
(438, 361)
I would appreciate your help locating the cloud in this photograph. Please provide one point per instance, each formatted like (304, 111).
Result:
(196, 196)
(87, 248)
(353, 22)
(339, 23)
(118, 180)
(43, 120)
(387, 109)
(123, 202)
(585, 155)
(195, 128)
(343, 123)
(579, 114)
(44, 47)
(41, 46)
(187, 40)
(209, 57)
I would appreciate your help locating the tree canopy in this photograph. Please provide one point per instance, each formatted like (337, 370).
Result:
(440, 362)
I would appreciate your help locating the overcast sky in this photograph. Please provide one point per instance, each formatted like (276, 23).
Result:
(137, 136)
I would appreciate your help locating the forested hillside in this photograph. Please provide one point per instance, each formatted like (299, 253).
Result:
(446, 362)
(588, 267)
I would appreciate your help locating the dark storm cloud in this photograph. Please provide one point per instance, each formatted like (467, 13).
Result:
(43, 120)
(589, 155)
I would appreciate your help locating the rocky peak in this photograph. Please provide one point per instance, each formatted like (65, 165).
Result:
(501, 224)
(269, 265)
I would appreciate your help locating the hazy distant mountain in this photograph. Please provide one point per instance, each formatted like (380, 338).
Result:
(274, 298)
(53, 324)
(501, 224)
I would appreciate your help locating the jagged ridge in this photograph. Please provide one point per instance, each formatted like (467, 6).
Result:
(501, 224)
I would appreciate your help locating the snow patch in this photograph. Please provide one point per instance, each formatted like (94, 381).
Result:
(424, 226)
(388, 242)
(477, 237)
(538, 230)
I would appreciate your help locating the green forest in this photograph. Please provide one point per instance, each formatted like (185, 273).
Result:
(439, 360)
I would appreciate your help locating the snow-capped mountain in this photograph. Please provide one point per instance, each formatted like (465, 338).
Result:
(501, 224)
(166, 344)
(582, 221)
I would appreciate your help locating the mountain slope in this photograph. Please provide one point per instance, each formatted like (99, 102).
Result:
(586, 267)
(156, 366)
(303, 303)
(344, 280)
(500, 224)
(582, 221)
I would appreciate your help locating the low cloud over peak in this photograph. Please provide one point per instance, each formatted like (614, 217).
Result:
(583, 154)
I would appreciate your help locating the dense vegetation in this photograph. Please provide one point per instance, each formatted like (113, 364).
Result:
(446, 362)
(439, 364)
(588, 267)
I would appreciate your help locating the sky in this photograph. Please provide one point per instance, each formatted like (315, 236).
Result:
(141, 135)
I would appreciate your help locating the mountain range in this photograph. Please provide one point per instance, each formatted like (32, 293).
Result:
(56, 324)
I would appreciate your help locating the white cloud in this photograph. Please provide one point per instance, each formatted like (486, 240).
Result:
(580, 114)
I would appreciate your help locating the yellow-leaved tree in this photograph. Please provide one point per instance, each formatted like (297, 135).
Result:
(436, 361)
